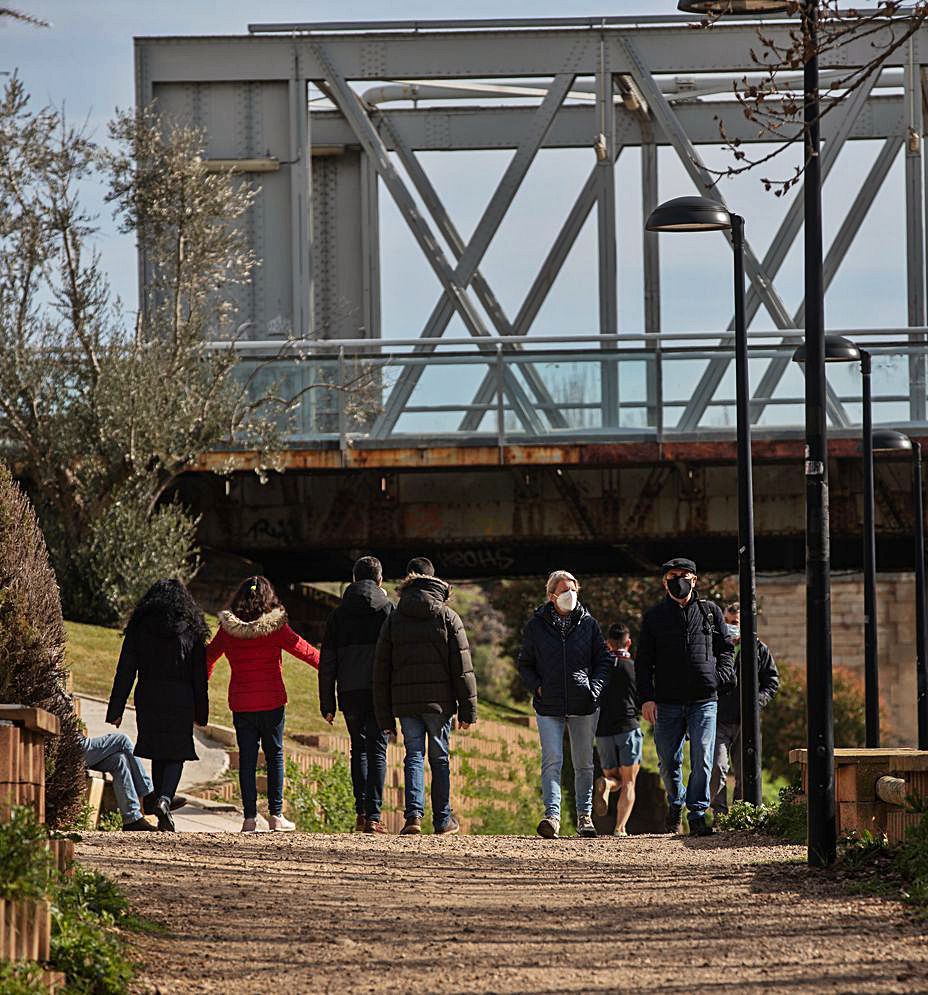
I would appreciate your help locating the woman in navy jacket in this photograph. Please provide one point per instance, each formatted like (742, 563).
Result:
(565, 663)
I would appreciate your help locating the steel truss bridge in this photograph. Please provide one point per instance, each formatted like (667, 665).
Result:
(329, 118)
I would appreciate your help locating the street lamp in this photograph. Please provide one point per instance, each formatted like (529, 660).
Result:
(823, 835)
(701, 214)
(886, 441)
(842, 350)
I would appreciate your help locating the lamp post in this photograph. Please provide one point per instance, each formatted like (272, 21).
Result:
(886, 441)
(823, 836)
(701, 214)
(842, 350)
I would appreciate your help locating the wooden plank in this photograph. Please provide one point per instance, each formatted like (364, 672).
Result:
(36, 719)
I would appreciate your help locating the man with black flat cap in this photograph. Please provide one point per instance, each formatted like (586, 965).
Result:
(685, 657)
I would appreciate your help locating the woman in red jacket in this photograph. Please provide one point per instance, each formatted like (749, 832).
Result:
(252, 634)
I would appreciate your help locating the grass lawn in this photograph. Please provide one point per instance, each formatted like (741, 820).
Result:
(93, 650)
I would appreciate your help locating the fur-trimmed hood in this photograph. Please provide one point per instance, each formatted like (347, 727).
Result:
(264, 625)
(422, 595)
(410, 580)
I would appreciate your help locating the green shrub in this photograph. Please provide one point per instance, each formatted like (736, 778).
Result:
(911, 861)
(110, 822)
(32, 647)
(742, 816)
(21, 978)
(89, 951)
(93, 892)
(784, 719)
(788, 817)
(26, 865)
(785, 819)
(87, 908)
(321, 801)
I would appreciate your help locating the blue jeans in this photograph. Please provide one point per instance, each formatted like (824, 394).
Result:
(438, 729)
(580, 728)
(368, 761)
(266, 728)
(113, 754)
(673, 723)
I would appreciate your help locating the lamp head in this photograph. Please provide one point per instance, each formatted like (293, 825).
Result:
(886, 440)
(838, 349)
(689, 214)
(719, 8)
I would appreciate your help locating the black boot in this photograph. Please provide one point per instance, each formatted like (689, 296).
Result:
(163, 811)
(674, 821)
(149, 801)
(140, 825)
(699, 826)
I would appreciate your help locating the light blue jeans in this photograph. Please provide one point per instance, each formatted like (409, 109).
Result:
(438, 729)
(580, 728)
(113, 754)
(673, 724)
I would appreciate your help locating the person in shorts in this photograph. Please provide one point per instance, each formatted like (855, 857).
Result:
(618, 733)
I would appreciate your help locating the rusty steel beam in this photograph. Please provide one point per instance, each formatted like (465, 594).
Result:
(570, 454)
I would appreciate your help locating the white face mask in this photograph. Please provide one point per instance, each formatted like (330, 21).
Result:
(567, 601)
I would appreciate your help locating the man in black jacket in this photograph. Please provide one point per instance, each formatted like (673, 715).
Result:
(564, 662)
(728, 728)
(618, 732)
(684, 656)
(346, 668)
(422, 676)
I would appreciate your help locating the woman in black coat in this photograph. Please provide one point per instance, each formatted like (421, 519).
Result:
(164, 655)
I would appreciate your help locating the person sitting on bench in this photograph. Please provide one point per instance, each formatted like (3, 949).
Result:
(135, 796)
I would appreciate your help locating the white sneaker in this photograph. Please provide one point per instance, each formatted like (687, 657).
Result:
(280, 824)
(250, 826)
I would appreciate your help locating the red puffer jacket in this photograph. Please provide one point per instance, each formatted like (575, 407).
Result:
(253, 650)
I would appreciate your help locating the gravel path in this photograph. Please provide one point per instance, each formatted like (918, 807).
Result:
(297, 913)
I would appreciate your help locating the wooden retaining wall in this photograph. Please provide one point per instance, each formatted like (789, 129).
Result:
(25, 924)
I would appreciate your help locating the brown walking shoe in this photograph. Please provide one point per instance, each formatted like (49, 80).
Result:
(601, 797)
(413, 826)
(376, 826)
(360, 824)
(451, 828)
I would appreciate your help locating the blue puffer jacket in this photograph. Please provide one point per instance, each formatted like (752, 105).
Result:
(571, 666)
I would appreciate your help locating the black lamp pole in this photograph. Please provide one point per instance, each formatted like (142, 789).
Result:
(702, 214)
(822, 844)
(750, 707)
(921, 622)
(871, 658)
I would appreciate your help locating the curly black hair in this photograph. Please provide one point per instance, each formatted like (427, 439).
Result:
(170, 601)
(255, 597)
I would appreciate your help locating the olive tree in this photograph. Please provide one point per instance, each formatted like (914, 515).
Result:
(101, 410)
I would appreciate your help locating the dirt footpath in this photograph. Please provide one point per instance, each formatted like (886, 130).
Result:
(297, 913)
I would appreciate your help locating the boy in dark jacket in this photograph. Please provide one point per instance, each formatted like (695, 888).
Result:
(683, 653)
(618, 733)
(564, 662)
(346, 669)
(422, 676)
(728, 728)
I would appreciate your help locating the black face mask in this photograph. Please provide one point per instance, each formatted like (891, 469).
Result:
(680, 587)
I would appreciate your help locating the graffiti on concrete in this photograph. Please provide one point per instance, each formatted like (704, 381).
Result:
(481, 558)
(263, 529)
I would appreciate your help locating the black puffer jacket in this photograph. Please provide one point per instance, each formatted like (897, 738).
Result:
(618, 707)
(768, 683)
(570, 665)
(422, 662)
(346, 663)
(681, 650)
(166, 660)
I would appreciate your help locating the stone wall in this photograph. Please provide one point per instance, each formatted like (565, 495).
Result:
(782, 600)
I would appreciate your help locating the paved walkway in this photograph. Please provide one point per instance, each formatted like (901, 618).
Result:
(294, 913)
(202, 817)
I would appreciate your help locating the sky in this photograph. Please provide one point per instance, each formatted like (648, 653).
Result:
(84, 63)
